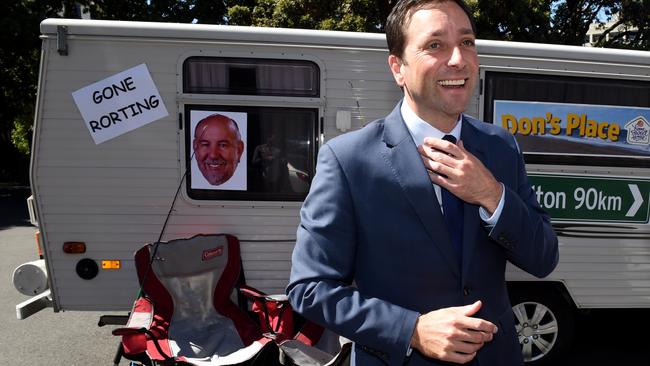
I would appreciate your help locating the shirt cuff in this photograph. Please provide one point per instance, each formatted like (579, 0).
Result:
(492, 220)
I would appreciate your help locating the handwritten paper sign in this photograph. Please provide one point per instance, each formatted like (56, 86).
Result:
(120, 103)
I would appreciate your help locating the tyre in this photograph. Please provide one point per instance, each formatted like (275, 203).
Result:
(544, 323)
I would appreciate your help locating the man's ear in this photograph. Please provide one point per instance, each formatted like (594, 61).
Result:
(395, 63)
(240, 149)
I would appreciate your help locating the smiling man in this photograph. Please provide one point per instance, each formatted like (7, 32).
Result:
(405, 234)
(217, 148)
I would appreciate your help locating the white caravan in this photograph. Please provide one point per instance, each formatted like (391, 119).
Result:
(118, 103)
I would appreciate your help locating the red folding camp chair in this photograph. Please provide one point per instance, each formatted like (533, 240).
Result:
(185, 314)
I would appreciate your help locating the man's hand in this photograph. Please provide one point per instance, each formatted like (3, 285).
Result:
(451, 334)
(461, 173)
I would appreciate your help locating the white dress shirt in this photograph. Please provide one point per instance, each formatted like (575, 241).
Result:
(419, 129)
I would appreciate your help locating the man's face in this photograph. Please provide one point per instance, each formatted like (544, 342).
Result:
(439, 67)
(217, 149)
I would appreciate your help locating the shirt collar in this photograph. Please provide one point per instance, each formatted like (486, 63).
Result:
(419, 128)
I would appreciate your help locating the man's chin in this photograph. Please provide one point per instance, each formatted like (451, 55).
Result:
(217, 180)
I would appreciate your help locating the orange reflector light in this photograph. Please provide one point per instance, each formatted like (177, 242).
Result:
(74, 247)
(111, 264)
(37, 236)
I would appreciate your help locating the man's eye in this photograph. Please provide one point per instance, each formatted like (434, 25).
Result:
(469, 43)
(223, 145)
(434, 45)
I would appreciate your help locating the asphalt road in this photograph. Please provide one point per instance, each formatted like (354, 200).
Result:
(603, 337)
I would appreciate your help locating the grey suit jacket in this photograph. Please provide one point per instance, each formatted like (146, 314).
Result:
(372, 218)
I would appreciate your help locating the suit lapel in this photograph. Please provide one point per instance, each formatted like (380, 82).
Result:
(403, 158)
(471, 224)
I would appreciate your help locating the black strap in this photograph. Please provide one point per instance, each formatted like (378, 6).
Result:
(242, 300)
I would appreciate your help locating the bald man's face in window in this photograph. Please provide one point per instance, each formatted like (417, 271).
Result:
(217, 147)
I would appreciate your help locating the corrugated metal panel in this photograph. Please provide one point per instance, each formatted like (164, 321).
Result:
(603, 272)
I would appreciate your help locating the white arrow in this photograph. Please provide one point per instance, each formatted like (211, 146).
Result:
(638, 200)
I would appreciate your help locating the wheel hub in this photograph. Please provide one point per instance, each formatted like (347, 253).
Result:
(527, 332)
(537, 329)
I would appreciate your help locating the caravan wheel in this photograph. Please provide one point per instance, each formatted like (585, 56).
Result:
(544, 325)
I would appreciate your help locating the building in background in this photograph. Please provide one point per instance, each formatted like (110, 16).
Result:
(597, 31)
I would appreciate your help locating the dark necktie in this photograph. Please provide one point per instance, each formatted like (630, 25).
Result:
(453, 213)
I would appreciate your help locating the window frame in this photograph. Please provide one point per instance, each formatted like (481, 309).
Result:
(236, 195)
(264, 92)
(486, 108)
(215, 101)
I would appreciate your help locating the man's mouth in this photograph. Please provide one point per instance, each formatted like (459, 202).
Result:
(215, 164)
(456, 83)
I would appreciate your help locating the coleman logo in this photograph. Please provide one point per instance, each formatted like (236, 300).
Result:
(638, 131)
(212, 253)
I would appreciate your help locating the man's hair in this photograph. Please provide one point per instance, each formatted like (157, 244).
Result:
(233, 123)
(400, 17)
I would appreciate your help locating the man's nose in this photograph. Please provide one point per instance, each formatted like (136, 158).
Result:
(456, 58)
(213, 152)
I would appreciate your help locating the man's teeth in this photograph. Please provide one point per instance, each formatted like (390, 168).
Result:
(452, 82)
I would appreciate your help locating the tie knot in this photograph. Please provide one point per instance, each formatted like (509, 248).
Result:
(449, 138)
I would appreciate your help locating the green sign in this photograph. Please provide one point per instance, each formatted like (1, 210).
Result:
(587, 198)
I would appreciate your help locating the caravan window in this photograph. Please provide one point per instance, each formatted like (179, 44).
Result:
(248, 150)
(249, 153)
(572, 120)
(242, 76)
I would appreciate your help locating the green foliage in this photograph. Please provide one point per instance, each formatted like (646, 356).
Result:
(178, 11)
(564, 21)
(21, 134)
(19, 59)
(573, 17)
(540, 21)
(240, 15)
(513, 20)
(345, 15)
(631, 28)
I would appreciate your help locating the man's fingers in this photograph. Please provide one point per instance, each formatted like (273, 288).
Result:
(436, 155)
(438, 164)
(437, 167)
(473, 336)
(479, 325)
(441, 145)
(471, 309)
(467, 347)
(476, 324)
(452, 334)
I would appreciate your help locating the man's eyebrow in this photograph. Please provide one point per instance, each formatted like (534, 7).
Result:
(462, 31)
(467, 31)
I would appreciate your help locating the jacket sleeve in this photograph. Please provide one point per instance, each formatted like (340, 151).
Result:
(524, 229)
(323, 266)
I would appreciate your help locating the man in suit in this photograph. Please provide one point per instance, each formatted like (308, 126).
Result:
(404, 237)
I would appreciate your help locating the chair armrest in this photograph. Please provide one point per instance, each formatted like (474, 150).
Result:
(120, 332)
(253, 293)
(140, 320)
(274, 311)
